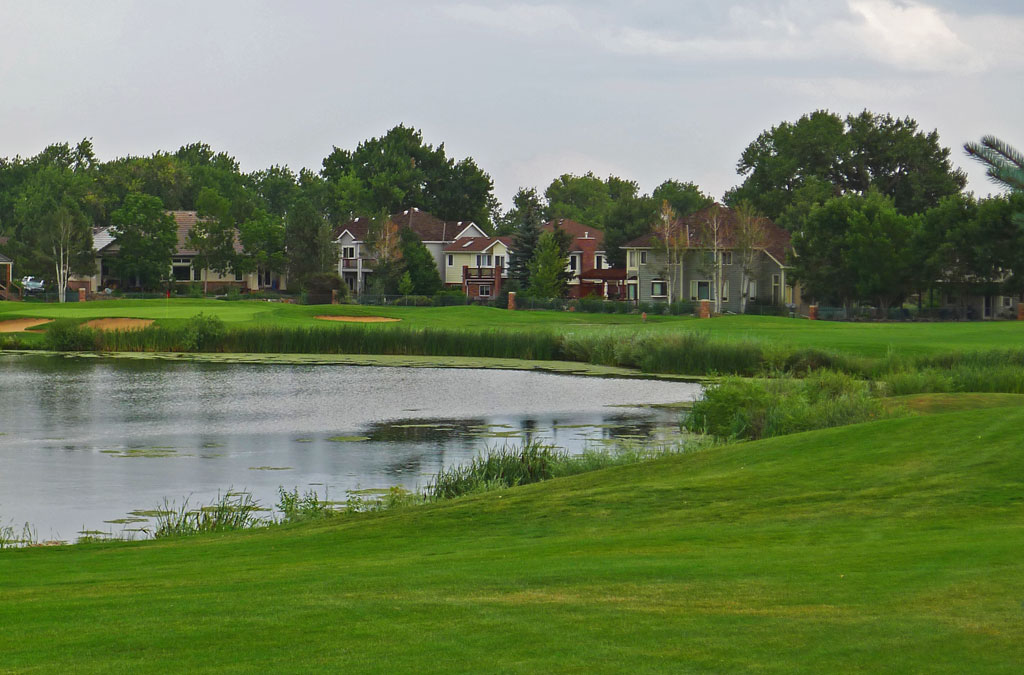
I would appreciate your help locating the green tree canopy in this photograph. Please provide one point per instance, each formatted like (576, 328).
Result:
(146, 237)
(858, 248)
(399, 170)
(852, 155)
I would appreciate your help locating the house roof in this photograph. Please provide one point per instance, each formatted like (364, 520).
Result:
(186, 220)
(578, 231)
(5, 259)
(476, 244)
(102, 238)
(776, 240)
(427, 226)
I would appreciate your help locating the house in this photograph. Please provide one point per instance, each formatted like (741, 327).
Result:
(697, 274)
(355, 260)
(8, 291)
(592, 274)
(980, 300)
(183, 270)
(477, 265)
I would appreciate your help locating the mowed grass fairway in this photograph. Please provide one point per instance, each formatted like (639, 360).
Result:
(890, 546)
(863, 338)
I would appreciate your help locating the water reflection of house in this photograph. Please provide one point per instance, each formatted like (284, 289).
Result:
(183, 269)
(355, 260)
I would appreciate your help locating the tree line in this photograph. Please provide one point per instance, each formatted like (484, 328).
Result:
(876, 209)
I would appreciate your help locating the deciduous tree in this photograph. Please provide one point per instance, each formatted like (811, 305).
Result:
(146, 237)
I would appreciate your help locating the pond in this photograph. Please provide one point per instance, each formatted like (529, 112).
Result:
(91, 445)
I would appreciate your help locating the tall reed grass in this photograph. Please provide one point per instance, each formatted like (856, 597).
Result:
(685, 352)
(751, 409)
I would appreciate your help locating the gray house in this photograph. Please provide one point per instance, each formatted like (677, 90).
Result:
(712, 255)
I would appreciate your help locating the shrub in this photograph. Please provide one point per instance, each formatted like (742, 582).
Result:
(202, 333)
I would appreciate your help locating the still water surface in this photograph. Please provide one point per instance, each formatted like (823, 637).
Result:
(87, 442)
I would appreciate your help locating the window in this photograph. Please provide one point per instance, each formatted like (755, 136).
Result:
(631, 292)
(499, 261)
(238, 275)
(485, 291)
(776, 289)
(726, 257)
(451, 260)
(599, 262)
(572, 263)
(725, 291)
(1007, 301)
(197, 274)
(700, 290)
(659, 289)
(752, 289)
(643, 257)
(632, 259)
(348, 251)
(483, 260)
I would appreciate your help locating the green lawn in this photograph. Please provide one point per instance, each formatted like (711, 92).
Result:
(890, 546)
(867, 339)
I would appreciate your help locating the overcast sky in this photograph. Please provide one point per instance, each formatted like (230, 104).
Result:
(645, 90)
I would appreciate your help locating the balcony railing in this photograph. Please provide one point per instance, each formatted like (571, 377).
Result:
(482, 273)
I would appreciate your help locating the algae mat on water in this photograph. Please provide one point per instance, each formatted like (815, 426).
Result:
(891, 546)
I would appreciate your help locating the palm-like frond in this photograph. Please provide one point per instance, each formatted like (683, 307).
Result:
(1005, 163)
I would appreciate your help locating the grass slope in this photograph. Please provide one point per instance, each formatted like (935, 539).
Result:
(889, 546)
(865, 339)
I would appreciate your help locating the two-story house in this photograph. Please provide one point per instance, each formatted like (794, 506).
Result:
(747, 261)
(477, 265)
(592, 274)
(355, 260)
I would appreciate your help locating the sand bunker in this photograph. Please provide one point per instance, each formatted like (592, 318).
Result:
(21, 325)
(119, 324)
(358, 319)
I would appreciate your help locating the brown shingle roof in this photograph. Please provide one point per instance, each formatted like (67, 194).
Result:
(428, 227)
(186, 220)
(475, 244)
(776, 240)
(577, 231)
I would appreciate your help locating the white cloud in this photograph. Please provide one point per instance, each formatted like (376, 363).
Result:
(909, 35)
(904, 35)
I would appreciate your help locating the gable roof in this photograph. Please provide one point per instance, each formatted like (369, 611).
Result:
(776, 240)
(5, 259)
(427, 226)
(102, 238)
(578, 231)
(476, 244)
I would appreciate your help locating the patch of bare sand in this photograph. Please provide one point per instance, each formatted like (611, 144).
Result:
(357, 319)
(21, 325)
(119, 324)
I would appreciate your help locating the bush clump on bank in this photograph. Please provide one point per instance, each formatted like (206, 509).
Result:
(752, 409)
